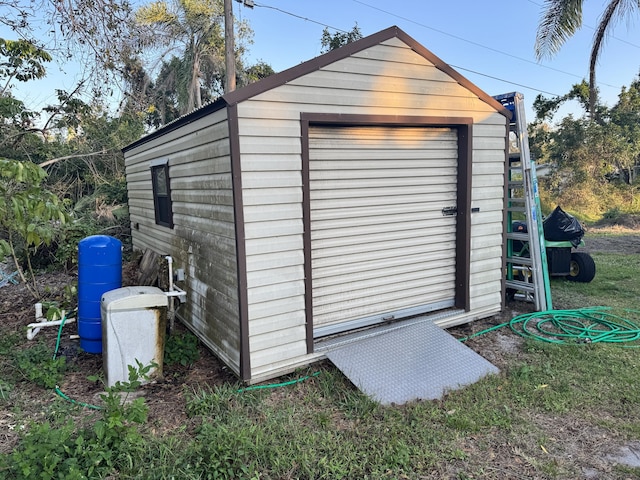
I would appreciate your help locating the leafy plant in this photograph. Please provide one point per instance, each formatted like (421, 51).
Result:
(181, 349)
(28, 213)
(63, 451)
(37, 365)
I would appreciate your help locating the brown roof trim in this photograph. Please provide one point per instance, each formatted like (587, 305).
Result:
(317, 63)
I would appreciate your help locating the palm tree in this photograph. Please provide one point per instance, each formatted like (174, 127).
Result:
(562, 18)
(193, 32)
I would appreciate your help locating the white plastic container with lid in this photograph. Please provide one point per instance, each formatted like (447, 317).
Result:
(134, 322)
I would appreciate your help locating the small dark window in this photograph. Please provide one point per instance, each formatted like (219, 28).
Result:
(162, 195)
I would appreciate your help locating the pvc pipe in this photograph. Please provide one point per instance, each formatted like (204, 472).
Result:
(170, 263)
(34, 328)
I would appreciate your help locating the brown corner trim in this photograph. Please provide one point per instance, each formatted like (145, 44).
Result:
(241, 254)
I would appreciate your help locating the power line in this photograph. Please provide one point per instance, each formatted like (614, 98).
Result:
(442, 32)
(506, 81)
(301, 17)
(447, 34)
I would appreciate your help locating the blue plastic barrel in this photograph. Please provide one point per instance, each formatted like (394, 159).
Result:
(99, 271)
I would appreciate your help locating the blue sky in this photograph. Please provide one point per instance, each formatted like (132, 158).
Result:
(494, 38)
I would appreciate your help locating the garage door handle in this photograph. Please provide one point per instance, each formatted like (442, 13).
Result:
(449, 211)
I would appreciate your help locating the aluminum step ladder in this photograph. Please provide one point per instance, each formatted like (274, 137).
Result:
(527, 274)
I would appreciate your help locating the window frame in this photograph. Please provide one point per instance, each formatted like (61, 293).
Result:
(162, 203)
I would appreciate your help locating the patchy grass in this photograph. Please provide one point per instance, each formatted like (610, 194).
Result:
(554, 412)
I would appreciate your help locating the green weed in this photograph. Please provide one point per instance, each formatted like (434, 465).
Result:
(181, 348)
(37, 365)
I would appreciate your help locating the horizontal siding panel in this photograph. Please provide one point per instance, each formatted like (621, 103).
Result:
(487, 265)
(274, 228)
(378, 267)
(373, 215)
(378, 295)
(490, 156)
(272, 340)
(376, 240)
(274, 260)
(487, 192)
(184, 150)
(479, 254)
(441, 249)
(272, 325)
(364, 77)
(201, 198)
(275, 276)
(497, 131)
(269, 145)
(263, 213)
(487, 301)
(375, 100)
(220, 181)
(271, 179)
(206, 166)
(495, 169)
(270, 357)
(354, 166)
(268, 127)
(374, 177)
(322, 200)
(279, 110)
(266, 293)
(368, 282)
(485, 277)
(263, 196)
(487, 288)
(419, 228)
(363, 309)
(430, 184)
(259, 246)
(203, 127)
(488, 143)
(270, 163)
(276, 307)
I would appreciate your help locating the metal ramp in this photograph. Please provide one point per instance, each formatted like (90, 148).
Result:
(395, 365)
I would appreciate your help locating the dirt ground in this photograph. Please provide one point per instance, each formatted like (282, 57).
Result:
(166, 398)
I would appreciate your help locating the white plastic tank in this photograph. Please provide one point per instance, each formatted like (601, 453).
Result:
(134, 322)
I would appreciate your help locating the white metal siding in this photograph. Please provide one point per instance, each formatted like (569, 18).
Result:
(203, 240)
(404, 83)
(380, 243)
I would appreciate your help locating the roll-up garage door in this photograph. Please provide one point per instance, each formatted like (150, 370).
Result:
(382, 245)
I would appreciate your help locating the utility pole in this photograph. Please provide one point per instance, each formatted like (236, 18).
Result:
(229, 48)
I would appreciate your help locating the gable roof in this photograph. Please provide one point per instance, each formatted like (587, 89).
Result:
(317, 63)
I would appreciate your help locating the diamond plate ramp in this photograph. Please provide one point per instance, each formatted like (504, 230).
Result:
(417, 361)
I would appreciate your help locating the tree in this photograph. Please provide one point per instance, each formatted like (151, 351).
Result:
(192, 33)
(594, 164)
(28, 214)
(339, 39)
(562, 18)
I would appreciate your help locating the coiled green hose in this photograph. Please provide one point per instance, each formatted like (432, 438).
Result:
(584, 325)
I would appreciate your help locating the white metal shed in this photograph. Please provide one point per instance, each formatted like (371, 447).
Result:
(361, 187)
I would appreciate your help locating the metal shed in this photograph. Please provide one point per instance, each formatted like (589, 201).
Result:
(362, 187)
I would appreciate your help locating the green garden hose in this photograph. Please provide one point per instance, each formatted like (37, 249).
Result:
(96, 407)
(584, 325)
(57, 388)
